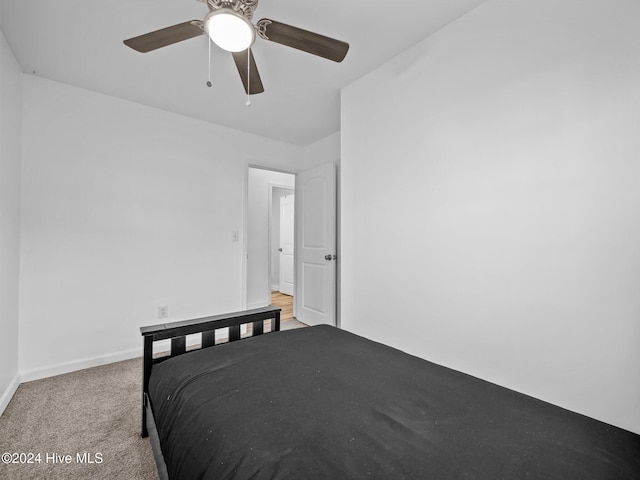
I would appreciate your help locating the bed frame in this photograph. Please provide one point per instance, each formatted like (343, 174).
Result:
(177, 332)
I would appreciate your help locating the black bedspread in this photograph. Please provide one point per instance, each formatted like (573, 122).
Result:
(321, 403)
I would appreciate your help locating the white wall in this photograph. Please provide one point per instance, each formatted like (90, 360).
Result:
(323, 151)
(491, 201)
(258, 256)
(10, 133)
(125, 208)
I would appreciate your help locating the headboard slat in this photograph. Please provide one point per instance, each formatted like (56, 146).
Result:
(258, 327)
(178, 345)
(234, 333)
(208, 339)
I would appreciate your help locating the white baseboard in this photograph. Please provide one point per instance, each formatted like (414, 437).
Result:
(9, 392)
(67, 367)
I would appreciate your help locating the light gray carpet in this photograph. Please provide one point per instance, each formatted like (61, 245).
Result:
(291, 323)
(91, 411)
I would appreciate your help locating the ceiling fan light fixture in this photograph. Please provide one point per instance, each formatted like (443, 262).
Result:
(229, 30)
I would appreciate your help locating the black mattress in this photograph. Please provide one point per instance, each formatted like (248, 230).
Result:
(321, 403)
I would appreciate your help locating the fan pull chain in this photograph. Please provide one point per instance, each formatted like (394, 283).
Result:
(248, 104)
(209, 81)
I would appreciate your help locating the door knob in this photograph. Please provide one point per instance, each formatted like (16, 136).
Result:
(279, 249)
(328, 257)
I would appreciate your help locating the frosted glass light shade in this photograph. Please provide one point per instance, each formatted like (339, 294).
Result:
(229, 30)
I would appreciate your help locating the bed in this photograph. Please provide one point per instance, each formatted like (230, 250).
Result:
(322, 403)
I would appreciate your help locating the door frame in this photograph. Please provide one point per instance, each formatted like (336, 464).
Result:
(245, 227)
(245, 221)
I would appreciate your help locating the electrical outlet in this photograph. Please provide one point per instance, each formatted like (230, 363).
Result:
(163, 311)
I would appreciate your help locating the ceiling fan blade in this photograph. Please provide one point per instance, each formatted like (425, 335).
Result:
(303, 40)
(165, 36)
(250, 75)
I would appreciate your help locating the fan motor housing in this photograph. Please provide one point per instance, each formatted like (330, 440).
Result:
(243, 7)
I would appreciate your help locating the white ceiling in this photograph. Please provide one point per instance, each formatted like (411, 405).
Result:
(79, 42)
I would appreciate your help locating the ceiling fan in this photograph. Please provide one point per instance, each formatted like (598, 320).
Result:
(229, 26)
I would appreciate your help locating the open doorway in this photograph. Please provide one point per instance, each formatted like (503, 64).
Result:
(314, 248)
(270, 267)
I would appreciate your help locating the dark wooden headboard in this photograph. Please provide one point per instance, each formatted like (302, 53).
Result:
(177, 332)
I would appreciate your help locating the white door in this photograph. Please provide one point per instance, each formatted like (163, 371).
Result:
(315, 210)
(286, 244)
